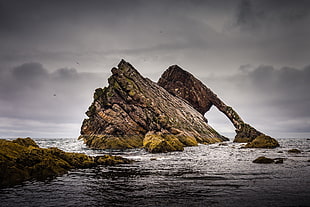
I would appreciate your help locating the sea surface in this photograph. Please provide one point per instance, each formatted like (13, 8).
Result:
(206, 175)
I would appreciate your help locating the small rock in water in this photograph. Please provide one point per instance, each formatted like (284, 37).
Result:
(263, 160)
(297, 151)
(278, 160)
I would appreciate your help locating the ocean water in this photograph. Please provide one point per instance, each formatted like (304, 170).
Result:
(206, 175)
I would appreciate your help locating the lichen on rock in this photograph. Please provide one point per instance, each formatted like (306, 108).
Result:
(132, 108)
(263, 141)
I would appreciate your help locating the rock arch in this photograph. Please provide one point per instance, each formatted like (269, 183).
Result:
(183, 84)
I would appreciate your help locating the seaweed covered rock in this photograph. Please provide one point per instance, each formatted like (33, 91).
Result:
(22, 160)
(135, 112)
(182, 84)
(263, 141)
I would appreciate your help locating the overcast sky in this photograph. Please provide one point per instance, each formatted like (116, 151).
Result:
(255, 54)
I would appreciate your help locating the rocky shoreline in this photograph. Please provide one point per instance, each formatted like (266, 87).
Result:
(22, 159)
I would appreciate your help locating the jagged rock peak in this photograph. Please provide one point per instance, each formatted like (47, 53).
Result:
(135, 112)
(183, 84)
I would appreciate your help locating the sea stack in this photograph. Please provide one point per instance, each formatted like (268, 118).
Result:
(133, 112)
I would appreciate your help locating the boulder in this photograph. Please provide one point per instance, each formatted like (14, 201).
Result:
(22, 160)
(262, 141)
(133, 111)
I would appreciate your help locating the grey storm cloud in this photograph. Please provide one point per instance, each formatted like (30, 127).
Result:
(55, 53)
(30, 93)
(255, 14)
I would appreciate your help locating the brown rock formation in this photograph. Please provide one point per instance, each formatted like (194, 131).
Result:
(182, 84)
(135, 112)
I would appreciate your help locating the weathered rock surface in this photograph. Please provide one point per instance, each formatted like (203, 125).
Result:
(22, 160)
(263, 141)
(135, 112)
(182, 84)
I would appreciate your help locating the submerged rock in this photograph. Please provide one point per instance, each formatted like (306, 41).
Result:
(182, 84)
(135, 112)
(263, 141)
(22, 160)
(297, 151)
(263, 160)
(266, 160)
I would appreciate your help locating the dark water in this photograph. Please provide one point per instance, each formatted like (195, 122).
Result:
(207, 175)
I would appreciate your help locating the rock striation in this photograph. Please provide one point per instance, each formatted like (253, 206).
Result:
(132, 111)
(23, 159)
(184, 85)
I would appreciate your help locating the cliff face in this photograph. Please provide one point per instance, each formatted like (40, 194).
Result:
(135, 112)
(182, 84)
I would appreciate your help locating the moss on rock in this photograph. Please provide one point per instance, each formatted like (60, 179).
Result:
(111, 160)
(25, 142)
(263, 141)
(22, 160)
(112, 142)
(160, 142)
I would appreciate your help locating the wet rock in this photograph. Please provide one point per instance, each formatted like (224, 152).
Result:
(278, 160)
(263, 141)
(135, 112)
(111, 160)
(26, 142)
(182, 84)
(22, 160)
(263, 160)
(297, 151)
(266, 160)
(161, 142)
